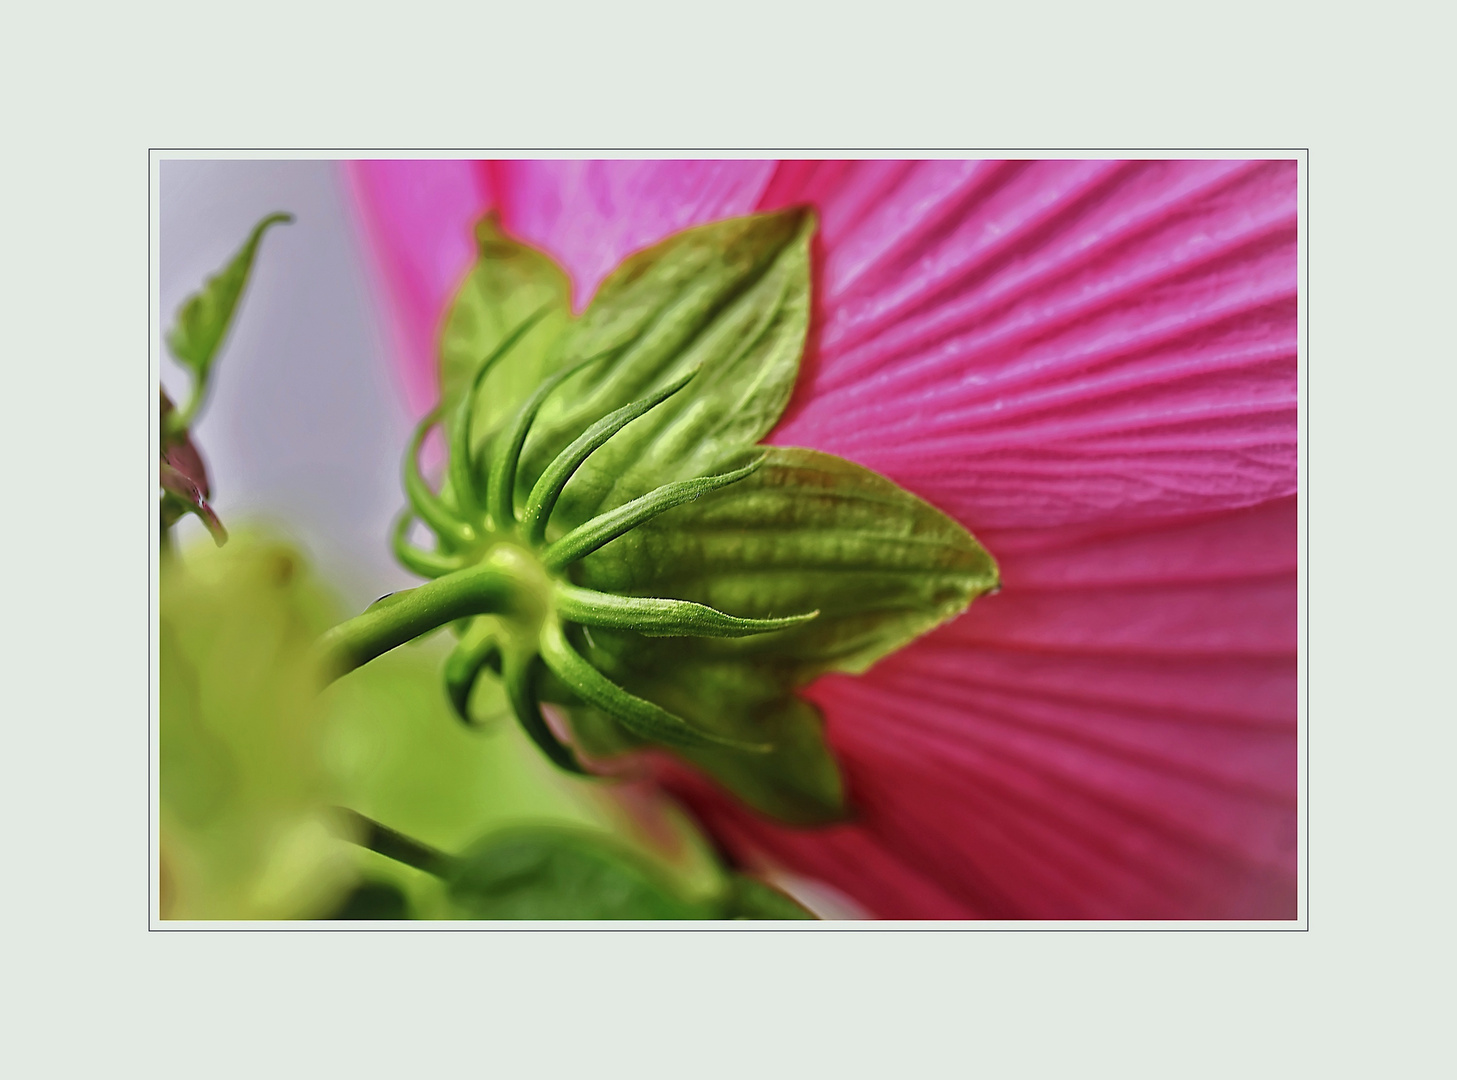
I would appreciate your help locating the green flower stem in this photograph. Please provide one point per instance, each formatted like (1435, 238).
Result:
(368, 833)
(489, 588)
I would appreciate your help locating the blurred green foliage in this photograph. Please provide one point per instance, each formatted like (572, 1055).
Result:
(242, 785)
(255, 754)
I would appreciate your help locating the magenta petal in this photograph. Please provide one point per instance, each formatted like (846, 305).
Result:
(590, 215)
(418, 217)
(1111, 737)
(1046, 343)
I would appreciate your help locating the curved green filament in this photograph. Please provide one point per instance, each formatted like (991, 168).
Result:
(501, 487)
(549, 487)
(460, 455)
(516, 676)
(660, 618)
(639, 716)
(604, 528)
(425, 563)
(428, 507)
(406, 615)
(475, 650)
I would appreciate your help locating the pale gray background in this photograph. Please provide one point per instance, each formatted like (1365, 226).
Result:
(305, 423)
(1361, 994)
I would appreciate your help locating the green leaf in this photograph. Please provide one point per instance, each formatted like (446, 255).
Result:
(808, 531)
(374, 900)
(508, 284)
(730, 300)
(557, 873)
(203, 320)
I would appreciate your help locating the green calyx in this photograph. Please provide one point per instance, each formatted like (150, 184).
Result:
(611, 538)
(493, 566)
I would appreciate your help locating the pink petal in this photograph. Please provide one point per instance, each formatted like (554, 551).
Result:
(418, 217)
(1113, 736)
(1054, 342)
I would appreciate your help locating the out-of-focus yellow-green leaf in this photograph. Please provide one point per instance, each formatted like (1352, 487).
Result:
(244, 793)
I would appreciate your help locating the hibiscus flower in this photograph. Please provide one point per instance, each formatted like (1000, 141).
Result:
(1092, 366)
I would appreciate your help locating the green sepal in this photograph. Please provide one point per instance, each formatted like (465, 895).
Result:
(729, 300)
(508, 284)
(643, 718)
(204, 318)
(807, 531)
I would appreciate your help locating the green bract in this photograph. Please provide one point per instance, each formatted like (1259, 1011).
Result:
(610, 538)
